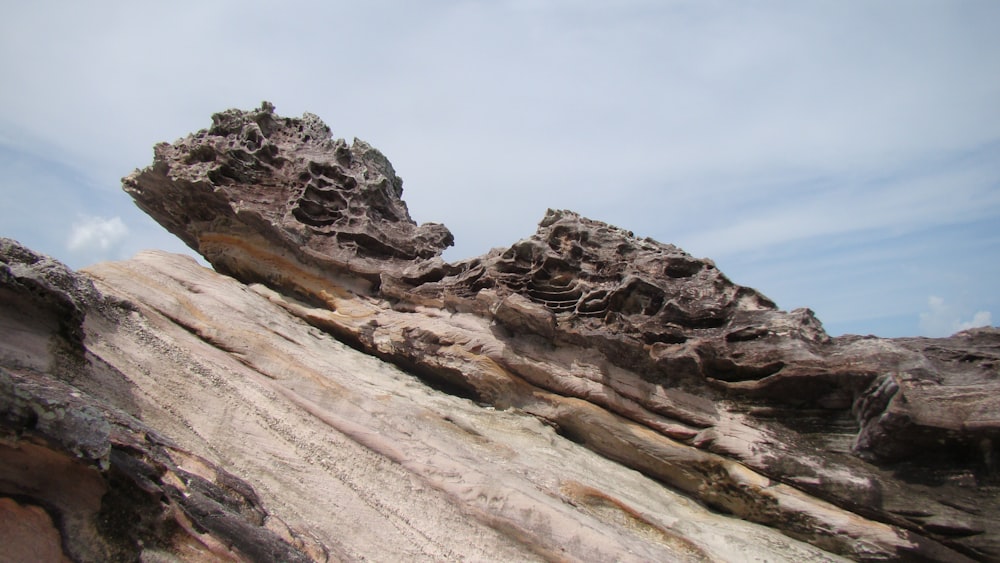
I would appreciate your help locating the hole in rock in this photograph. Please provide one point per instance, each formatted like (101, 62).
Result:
(682, 268)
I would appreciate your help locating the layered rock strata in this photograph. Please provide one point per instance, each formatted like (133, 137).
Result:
(212, 423)
(585, 394)
(870, 448)
(82, 477)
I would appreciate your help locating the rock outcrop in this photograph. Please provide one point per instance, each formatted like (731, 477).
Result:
(585, 394)
(81, 477)
(255, 182)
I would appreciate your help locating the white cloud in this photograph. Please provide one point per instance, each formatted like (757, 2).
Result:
(943, 319)
(96, 234)
(981, 318)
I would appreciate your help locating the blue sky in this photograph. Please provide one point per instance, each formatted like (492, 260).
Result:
(843, 156)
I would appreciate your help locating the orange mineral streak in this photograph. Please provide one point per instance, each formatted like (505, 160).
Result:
(609, 508)
(279, 269)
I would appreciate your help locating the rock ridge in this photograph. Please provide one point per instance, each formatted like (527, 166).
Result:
(586, 311)
(584, 394)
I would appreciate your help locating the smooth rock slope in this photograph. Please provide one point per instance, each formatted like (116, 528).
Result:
(582, 395)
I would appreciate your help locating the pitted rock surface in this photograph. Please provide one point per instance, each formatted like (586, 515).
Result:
(585, 394)
(647, 306)
(584, 315)
(286, 181)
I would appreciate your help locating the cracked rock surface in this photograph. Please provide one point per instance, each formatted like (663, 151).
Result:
(336, 390)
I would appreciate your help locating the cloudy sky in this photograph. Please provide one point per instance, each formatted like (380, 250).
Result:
(840, 155)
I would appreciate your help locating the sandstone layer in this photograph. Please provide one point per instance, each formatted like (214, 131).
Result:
(584, 394)
(84, 475)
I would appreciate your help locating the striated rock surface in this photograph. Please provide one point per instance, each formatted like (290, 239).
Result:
(82, 478)
(328, 453)
(583, 395)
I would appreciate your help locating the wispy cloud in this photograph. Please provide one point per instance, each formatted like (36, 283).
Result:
(96, 235)
(942, 319)
(895, 202)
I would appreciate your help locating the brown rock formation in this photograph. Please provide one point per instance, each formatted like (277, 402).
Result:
(81, 478)
(585, 385)
(256, 182)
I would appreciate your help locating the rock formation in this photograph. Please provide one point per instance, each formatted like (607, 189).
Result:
(81, 477)
(334, 390)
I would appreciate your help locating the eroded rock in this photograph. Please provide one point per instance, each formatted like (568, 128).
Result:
(256, 193)
(584, 394)
(634, 348)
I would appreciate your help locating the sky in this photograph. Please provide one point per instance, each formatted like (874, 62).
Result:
(837, 155)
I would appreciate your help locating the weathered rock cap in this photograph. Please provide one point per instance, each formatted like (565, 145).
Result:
(280, 189)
